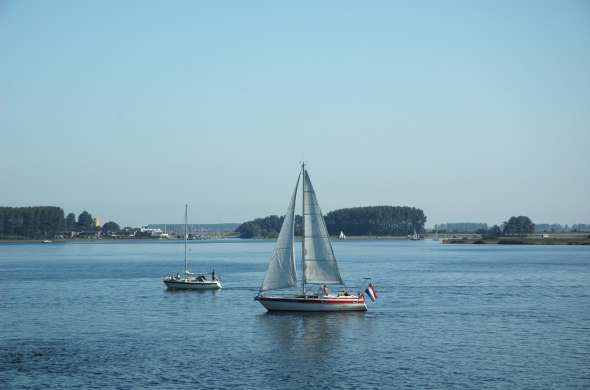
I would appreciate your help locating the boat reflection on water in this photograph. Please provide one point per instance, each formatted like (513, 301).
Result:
(309, 335)
(190, 299)
(315, 350)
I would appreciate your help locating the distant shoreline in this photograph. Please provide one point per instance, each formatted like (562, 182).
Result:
(584, 240)
(150, 239)
(564, 239)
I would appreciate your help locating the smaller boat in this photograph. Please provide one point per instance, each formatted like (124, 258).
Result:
(415, 236)
(189, 280)
(192, 281)
(46, 242)
(342, 236)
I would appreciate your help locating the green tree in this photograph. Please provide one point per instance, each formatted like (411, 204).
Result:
(267, 227)
(376, 220)
(31, 222)
(85, 221)
(495, 231)
(70, 222)
(110, 227)
(492, 232)
(518, 225)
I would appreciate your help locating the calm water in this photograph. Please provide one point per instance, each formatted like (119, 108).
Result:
(96, 315)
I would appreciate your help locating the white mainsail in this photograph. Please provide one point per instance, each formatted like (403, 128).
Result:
(281, 267)
(319, 262)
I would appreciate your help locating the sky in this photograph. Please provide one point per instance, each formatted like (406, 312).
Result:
(470, 110)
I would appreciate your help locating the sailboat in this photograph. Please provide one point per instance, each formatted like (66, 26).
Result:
(318, 263)
(189, 280)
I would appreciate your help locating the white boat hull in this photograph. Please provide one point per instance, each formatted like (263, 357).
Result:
(313, 303)
(192, 285)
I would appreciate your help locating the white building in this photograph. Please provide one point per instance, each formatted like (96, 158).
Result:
(157, 233)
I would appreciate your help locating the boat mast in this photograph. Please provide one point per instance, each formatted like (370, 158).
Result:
(303, 229)
(185, 233)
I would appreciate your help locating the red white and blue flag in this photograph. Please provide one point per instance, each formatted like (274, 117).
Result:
(371, 292)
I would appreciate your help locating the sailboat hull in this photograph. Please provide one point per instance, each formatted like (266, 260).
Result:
(313, 303)
(192, 285)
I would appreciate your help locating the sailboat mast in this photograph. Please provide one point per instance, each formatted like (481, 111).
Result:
(303, 229)
(185, 234)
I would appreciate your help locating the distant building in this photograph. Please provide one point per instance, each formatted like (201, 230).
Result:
(128, 232)
(153, 232)
(558, 228)
(89, 234)
(178, 229)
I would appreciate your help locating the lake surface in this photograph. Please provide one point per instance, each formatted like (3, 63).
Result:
(96, 315)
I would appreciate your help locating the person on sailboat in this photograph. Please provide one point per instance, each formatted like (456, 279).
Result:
(213, 274)
(325, 290)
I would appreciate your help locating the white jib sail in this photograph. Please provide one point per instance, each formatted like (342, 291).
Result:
(319, 262)
(281, 267)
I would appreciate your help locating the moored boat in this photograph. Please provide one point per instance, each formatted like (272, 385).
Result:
(414, 237)
(189, 280)
(192, 281)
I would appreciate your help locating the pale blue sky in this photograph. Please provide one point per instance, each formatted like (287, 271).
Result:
(470, 110)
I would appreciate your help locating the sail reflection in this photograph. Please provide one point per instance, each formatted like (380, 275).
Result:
(310, 337)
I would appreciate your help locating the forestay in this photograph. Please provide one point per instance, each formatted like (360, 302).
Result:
(319, 262)
(281, 267)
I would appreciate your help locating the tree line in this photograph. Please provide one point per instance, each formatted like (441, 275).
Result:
(356, 221)
(46, 222)
(31, 222)
(515, 226)
(86, 223)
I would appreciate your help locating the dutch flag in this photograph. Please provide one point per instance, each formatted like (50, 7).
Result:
(370, 290)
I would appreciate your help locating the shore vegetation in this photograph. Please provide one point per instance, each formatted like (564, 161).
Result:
(356, 221)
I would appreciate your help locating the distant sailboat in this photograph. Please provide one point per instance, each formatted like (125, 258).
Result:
(415, 236)
(318, 263)
(189, 280)
(342, 236)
